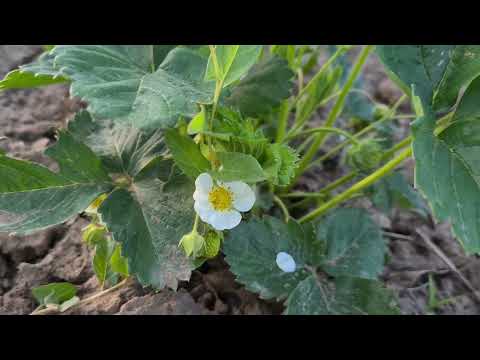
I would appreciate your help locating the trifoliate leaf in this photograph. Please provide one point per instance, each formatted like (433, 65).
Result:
(355, 245)
(148, 219)
(251, 249)
(134, 89)
(34, 198)
(123, 149)
(54, 293)
(347, 296)
(280, 162)
(447, 169)
(186, 154)
(233, 62)
(263, 89)
(39, 73)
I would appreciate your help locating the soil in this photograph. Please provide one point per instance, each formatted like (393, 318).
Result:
(28, 119)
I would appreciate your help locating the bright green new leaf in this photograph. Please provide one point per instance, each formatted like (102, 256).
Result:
(34, 198)
(186, 154)
(54, 293)
(238, 167)
(280, 164)
(148, 219)
(118, 263)
(233, 62)
(263, 89)
(197, 124)
(355, 245)
(39, 73)
(347, 296)
(251, 250)
(101, 261)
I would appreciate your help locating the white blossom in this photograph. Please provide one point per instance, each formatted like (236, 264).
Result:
(220, 203)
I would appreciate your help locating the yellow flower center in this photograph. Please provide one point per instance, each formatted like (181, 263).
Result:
(220, 198)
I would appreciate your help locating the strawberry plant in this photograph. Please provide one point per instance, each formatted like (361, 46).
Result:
(184, 152)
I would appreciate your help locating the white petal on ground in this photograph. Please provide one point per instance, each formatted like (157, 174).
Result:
(243, 195)
(204, 183)
(224, 220)
(285, 262)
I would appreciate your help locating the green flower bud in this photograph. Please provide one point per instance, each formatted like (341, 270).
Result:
(213, 240)
(192, 243)
(364, 156)
(93, 234)
(381, 111)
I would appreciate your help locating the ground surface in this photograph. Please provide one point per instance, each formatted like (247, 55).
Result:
(28, 119)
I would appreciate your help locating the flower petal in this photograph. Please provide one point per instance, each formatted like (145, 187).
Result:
(204, 183)
(204, 210)
(224, 220)
(286, 262)
(243, 195)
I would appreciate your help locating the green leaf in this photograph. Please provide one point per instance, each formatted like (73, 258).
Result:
(233, 62)
(263, 89)
(54, 293)
(186, 154)
(133, 82)
(197, 124)
(148, 219)
(101, 261)
(123, 149)
(174, 90)
(238, 167)
(394, 190)
(422, 66)
(34, 198)
(252, 247)
(438, 72)
(119, 263)
(355, 245)
(464, 66)
(280, 164)
(39, 73)
(447, 168)
(347, 296)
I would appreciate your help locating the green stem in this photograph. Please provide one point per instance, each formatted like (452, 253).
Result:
(283, 207)
(341, 50)
(326, 189)
(335, 112)
(359, 186)
(367, 129)
(300, 121)
(283, 120)
(324, 129)
(405, 142)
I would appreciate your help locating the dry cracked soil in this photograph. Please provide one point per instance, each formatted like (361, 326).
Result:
(28, 119)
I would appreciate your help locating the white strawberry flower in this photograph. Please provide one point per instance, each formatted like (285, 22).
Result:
(220, 203)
